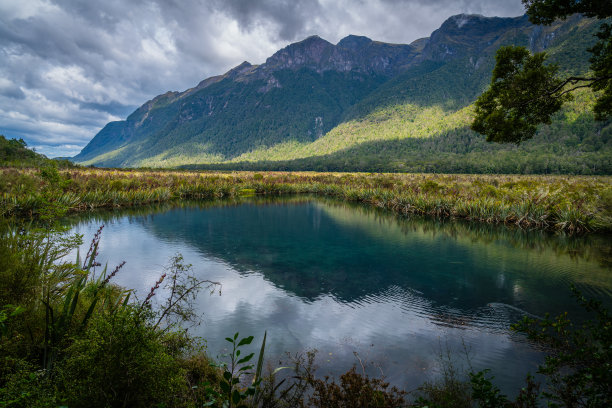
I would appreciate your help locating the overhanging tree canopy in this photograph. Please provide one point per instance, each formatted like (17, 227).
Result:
(525, 92)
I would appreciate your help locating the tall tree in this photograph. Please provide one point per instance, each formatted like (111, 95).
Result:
(525, 92)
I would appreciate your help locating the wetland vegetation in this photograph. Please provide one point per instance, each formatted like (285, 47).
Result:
(564, 203)
(65, 325)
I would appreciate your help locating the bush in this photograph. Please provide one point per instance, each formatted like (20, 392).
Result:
(578, 367)
(355, 390)
(122, 361)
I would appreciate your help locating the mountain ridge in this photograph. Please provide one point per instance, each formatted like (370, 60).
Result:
(308, 88)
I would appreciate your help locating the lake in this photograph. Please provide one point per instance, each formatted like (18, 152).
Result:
(360, 285)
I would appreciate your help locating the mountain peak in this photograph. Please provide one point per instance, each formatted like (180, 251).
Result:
(354, 42)
(462, 19)
(310, 51)
(463, 34)
(478, 23)
(244, 64)
(310, 42)
(313, 37)
(239, 69)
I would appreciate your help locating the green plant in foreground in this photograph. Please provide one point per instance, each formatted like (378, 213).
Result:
(80, 287)
(485, 392)
(8, 312)
(578, 367)
(233, 394)
(69, 336)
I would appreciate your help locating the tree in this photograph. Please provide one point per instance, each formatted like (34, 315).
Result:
(525, 92)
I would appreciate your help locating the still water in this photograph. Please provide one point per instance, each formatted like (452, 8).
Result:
(360, 285)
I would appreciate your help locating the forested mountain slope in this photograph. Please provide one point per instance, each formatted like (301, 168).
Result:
(15, 153)
(364, 105)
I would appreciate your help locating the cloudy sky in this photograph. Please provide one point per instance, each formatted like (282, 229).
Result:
(68, 67)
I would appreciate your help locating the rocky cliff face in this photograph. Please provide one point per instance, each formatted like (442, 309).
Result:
(468, 34)
(353, 53)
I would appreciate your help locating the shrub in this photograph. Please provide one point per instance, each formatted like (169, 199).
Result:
(578, 367)
(122, 361)
(355, 390)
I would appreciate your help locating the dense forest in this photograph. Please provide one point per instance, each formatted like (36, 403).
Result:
(573, 144)
(305, 118)
(15, 153)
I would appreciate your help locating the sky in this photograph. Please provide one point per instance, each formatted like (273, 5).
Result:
(68, 67)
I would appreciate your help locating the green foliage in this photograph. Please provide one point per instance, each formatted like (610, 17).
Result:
(524, 93)
(521, 96)
(64, 327)
(15, 153)
(232, 392)
(547, 11)
(121, 360)
(8, 312)
(578, 368)
(601, 64)
(485, 392)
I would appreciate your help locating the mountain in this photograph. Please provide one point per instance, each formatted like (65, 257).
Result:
(314, 104)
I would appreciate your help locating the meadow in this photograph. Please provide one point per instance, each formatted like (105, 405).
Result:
(563, 203)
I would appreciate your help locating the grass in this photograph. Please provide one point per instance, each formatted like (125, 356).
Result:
(564, 203)
(65, 325)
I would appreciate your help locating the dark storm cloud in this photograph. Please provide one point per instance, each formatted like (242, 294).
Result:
(68, 67)
(290, 17)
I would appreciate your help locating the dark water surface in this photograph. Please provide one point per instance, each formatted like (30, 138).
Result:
(346, 279)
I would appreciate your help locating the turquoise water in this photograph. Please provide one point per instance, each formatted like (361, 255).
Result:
(359, 285)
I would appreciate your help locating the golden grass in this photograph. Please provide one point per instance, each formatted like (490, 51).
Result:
(568, 203)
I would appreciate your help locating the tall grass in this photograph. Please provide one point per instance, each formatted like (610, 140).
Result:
(565, 203)
(70, 337)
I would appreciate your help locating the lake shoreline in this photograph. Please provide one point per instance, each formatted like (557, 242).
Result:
(572, 204)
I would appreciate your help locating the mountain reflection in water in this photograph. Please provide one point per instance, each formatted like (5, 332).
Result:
(344, 278)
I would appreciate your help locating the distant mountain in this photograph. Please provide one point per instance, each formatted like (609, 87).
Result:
(314, 102)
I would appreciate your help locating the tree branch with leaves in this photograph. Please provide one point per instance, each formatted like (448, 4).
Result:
(525, 92)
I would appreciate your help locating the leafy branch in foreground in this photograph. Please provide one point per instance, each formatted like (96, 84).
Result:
(525, 93)
(578, 366)
(233, 394)
(183, 288)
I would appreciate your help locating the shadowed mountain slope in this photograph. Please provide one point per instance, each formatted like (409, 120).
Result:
(313, 99)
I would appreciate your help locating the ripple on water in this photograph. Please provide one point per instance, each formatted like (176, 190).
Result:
(398, 291)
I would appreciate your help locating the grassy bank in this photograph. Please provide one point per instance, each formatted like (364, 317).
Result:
(564, 203)
(70, 337)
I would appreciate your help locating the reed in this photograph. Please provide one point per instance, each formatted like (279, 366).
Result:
(565, 203)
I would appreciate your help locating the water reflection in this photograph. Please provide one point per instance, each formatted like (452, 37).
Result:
(343, 278)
